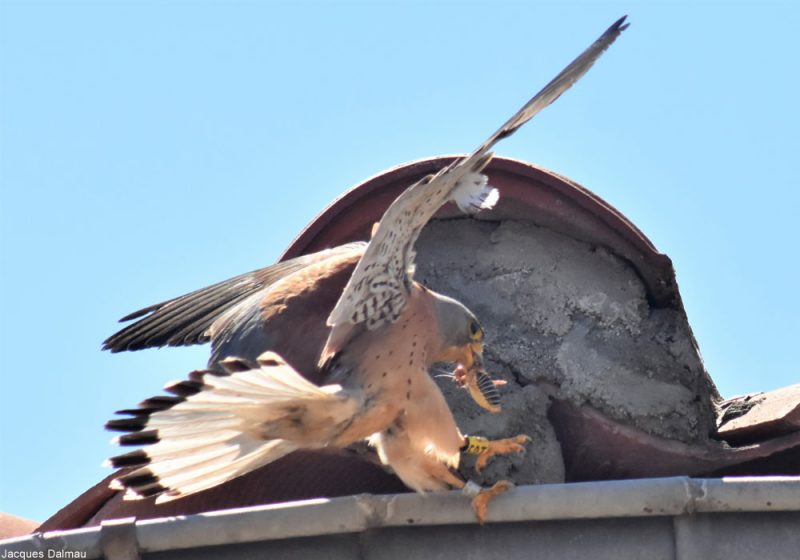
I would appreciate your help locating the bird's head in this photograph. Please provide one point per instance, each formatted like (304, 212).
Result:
(462, 337)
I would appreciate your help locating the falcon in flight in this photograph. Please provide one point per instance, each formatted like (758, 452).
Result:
(326, 349)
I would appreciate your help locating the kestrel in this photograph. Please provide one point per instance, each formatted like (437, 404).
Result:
(283, 377)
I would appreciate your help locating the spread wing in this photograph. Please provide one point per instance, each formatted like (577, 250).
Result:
(380, 285)
(185, 320)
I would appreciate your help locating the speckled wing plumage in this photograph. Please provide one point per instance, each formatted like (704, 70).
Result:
(379, 287)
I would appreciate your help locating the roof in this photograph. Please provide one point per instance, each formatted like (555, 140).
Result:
(654, 411)
(670, 518)
(529, 192)
(753, 417)
(12, 526)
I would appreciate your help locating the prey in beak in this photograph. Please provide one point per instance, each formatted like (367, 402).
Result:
(463, 339)
(471, 374)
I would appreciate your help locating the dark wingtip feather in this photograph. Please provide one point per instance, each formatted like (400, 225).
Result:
(161, 402)
(148, 437)
(235, 365)
(184, 388)
(138, 478)
(134, 412)
(613, 31)
(136, 458)
(198, 374)
(141, 482)
(185, 320)
(150, 491)
(140, 312)
(138, 417)
(135, 424)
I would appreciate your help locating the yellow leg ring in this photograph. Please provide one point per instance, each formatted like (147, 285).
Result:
(475, 445)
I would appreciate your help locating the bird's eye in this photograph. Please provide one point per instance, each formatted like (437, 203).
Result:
(475, 329)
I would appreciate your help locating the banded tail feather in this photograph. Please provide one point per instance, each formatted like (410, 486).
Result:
(218, 425)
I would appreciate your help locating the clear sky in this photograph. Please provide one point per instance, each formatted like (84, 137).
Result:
(150, 148)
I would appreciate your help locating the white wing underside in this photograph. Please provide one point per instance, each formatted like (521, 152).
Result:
(380, 285)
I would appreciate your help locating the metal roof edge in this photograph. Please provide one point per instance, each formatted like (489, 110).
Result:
(673, 496)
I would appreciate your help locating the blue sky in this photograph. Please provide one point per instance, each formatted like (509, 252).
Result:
(150, 148)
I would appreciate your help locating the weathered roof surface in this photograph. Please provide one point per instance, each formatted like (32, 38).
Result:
(753, 417)
(668, 518)
(596, 447)
(529, 192)
(591, 388)
(13, 526)
(298, 476)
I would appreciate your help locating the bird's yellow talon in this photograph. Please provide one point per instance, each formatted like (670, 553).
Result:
(505, 446)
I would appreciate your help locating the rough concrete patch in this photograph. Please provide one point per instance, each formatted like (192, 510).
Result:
(590, 375)
(564, 275)
(564, 313)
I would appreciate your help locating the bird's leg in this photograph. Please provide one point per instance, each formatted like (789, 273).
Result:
(486, 449)
(440, 474)
(482, 496)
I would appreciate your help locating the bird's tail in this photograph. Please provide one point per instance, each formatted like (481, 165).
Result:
(218, 425)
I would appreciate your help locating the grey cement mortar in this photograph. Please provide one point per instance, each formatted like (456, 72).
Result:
(561, 312)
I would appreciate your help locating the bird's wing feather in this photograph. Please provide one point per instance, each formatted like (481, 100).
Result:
(220, 425)
(574, 71)
(379, 287)
(185, 320)
(273, 318)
